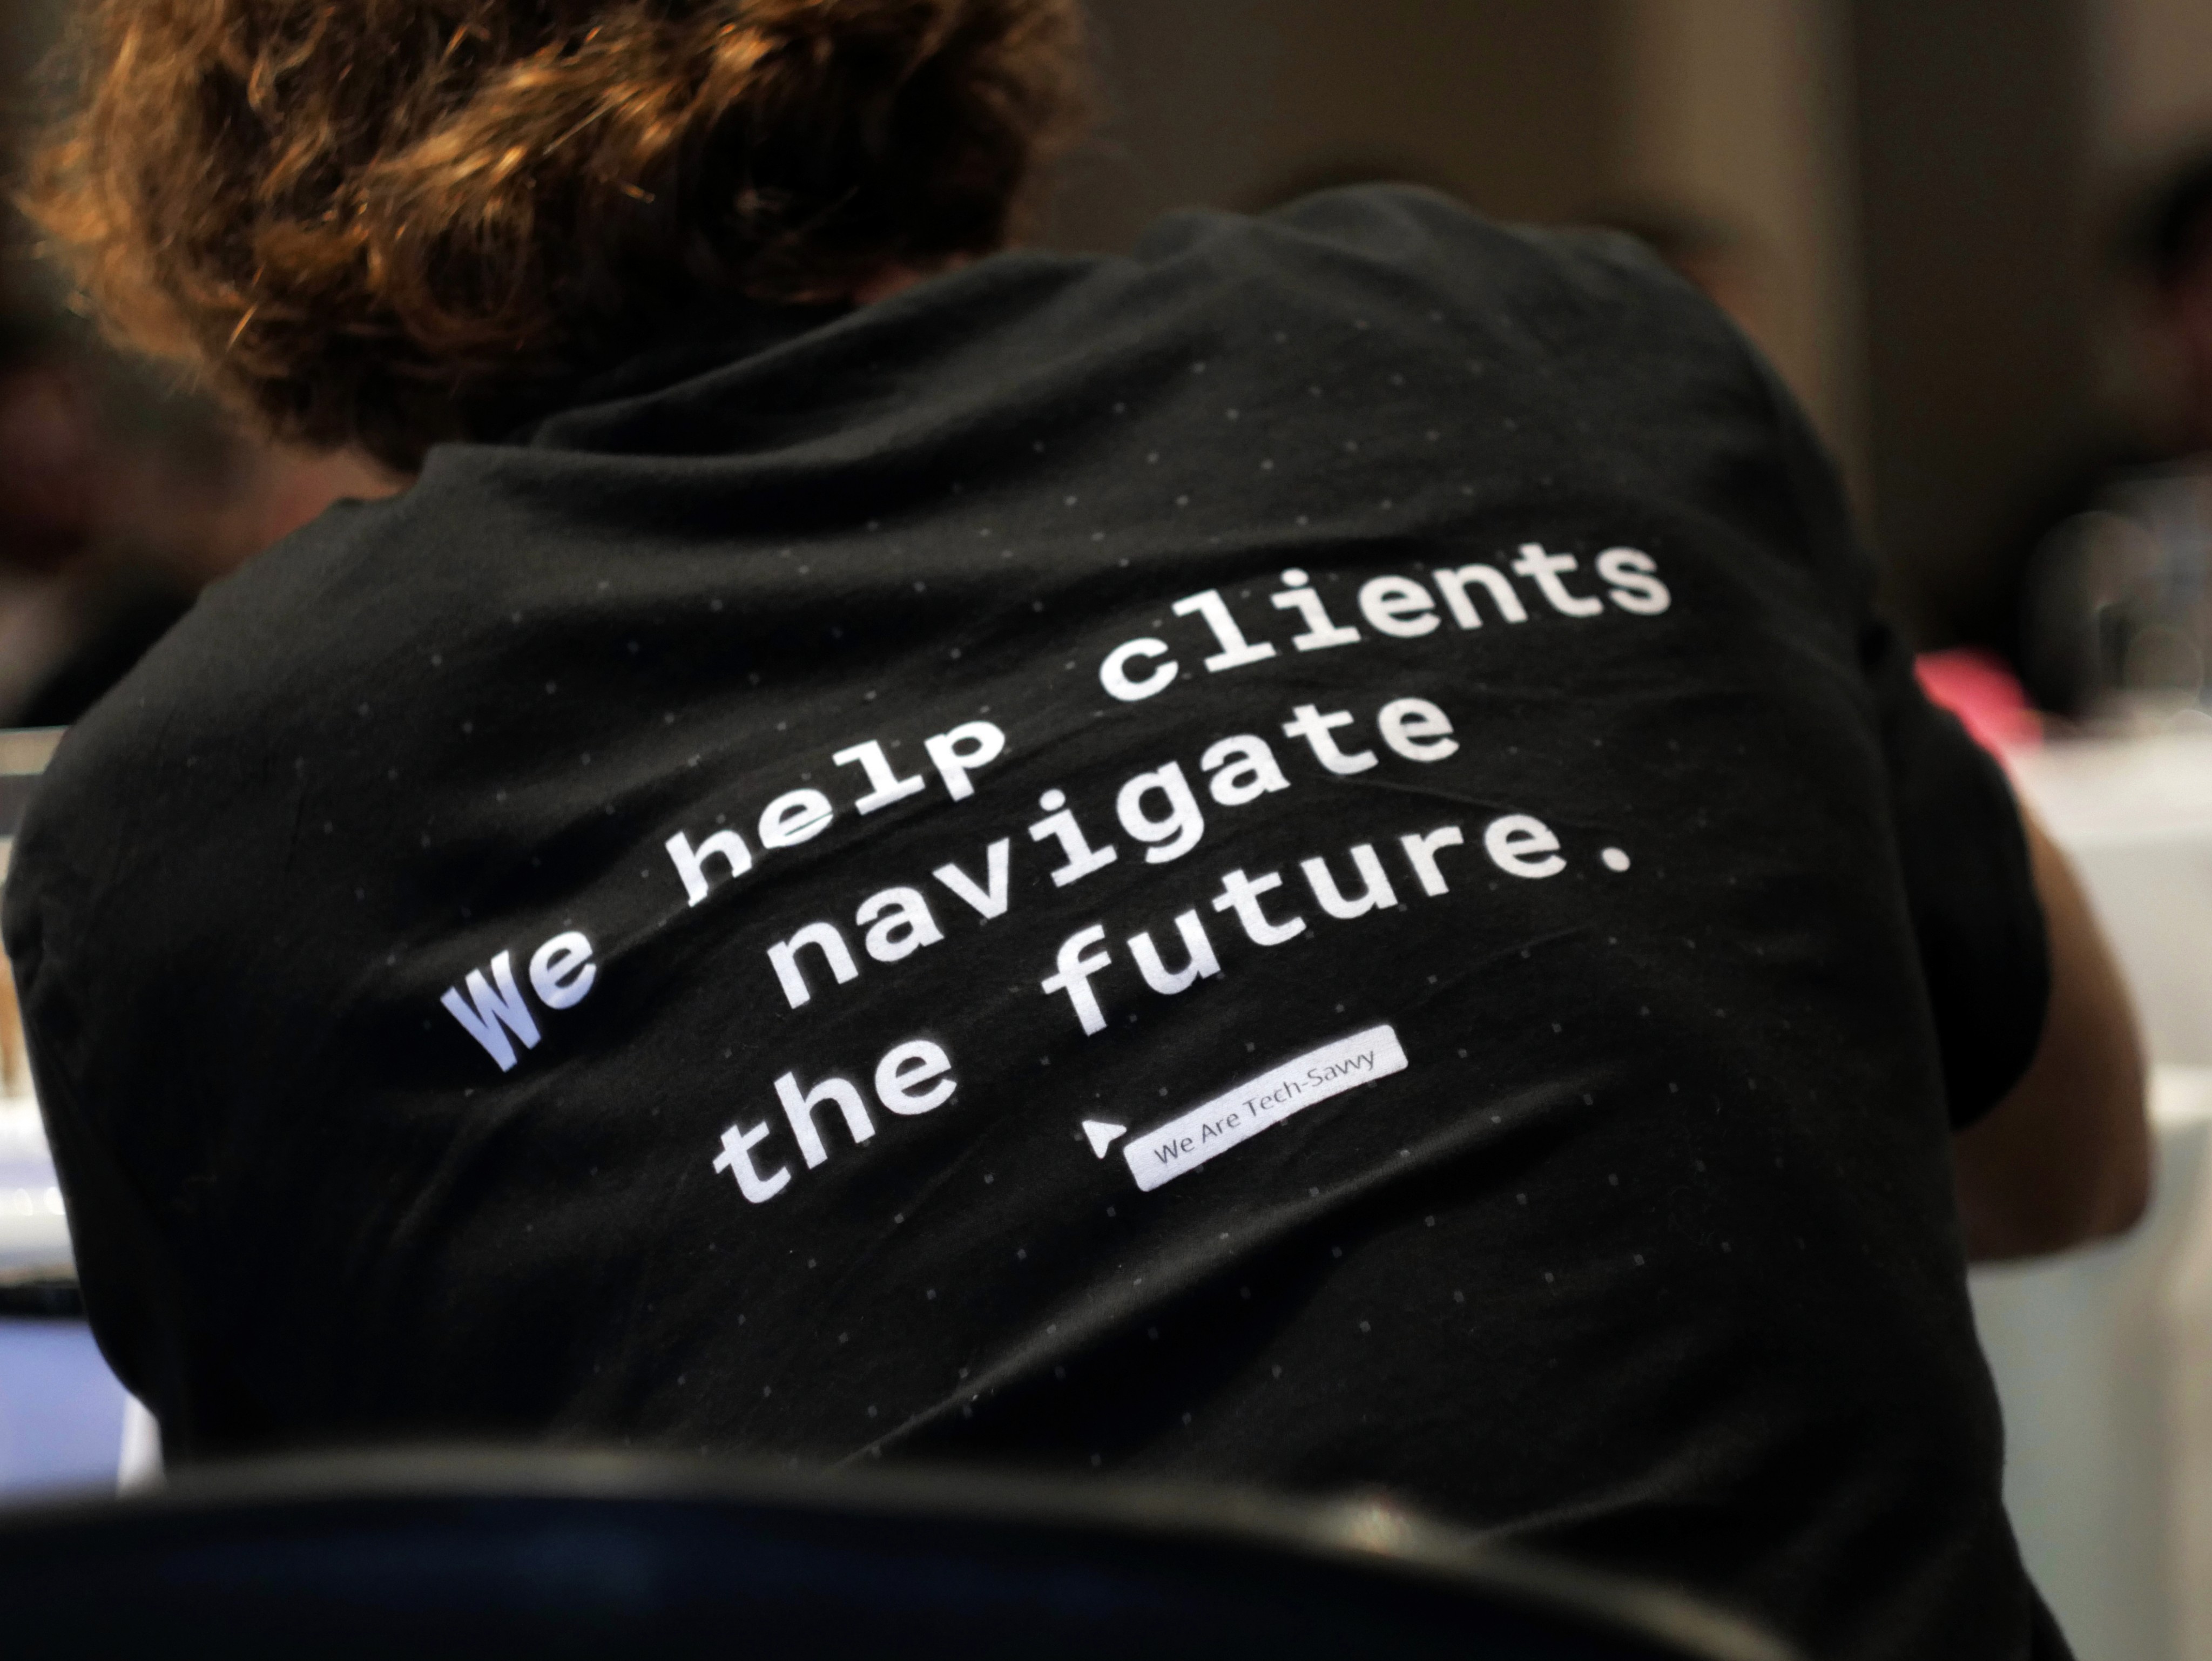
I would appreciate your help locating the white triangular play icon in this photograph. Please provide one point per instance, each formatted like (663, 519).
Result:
(1102, 1135)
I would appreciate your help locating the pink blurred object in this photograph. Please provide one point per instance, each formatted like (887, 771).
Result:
(1976, 687)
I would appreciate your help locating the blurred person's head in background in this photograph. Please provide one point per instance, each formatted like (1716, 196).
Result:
(383, 223)
(2174, 250)
(2093, 597)
(116, 504)
(79, 602)
(48, 456)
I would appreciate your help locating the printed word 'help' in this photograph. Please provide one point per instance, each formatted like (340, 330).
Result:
(801, 815)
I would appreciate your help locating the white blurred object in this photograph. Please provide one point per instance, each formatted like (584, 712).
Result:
(2103, 1357)
(2108, 1422)
(2136, 815)
(34, 1235)
(34, 1231)
(61, 1410)
(139, 1465)
(2185, 1316)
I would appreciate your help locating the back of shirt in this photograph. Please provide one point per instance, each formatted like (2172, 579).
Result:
(1294, 859)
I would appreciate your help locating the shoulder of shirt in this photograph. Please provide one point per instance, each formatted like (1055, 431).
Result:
(1410, 228)
(262, 653)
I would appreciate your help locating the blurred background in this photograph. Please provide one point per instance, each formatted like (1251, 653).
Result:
(1927, 211)
(1923, 210)
(1974, 235)
(1933, 214)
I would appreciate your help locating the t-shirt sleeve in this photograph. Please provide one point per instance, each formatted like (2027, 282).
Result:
(1960, 844)
(145, 1312)
(1969, 882)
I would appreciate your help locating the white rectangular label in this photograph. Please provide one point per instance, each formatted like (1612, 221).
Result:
(1186, 1142)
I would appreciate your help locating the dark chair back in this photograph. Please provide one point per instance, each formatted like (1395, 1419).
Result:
(425, 1556)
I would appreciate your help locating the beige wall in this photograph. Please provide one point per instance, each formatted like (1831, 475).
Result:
(1729, 109)
(1971, 131)
(1507, 103)
(1234, 103)
(1737, 110)
(2153, 77)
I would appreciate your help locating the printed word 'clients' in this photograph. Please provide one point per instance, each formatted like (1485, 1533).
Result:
(1399, 607)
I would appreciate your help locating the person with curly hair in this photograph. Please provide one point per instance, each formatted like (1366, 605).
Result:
(386, 224)
(1294, 858)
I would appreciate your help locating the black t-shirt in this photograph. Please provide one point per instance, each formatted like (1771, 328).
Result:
(1294, 859)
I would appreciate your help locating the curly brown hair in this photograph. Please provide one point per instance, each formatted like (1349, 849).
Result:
(387, 222)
